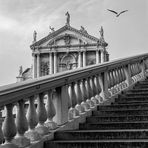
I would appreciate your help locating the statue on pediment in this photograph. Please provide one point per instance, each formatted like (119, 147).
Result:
(68, 18)
(101, 32)
(20, 70)
(52, 29)
(34, 36)
(82, 29)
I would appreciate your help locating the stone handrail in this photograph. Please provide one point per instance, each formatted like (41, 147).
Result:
(46, 103)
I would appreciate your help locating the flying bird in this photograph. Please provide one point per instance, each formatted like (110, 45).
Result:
(117, 14)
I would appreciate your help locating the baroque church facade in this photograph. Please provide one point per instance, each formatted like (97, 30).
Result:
(65, 49)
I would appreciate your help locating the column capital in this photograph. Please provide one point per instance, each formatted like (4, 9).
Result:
(79, 51)
(83, 50)
(37, 53)
(55, 53)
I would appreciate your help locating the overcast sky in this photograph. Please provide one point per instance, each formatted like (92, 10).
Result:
(127, 35)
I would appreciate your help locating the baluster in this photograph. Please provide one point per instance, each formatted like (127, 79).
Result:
(9, 128)
(84, 96)
(42, 115)
(73, 113)
(21, 125)
(114, 82)
(78, 93)
(1, 133)
(98, 89)
(120, 78)
(51, 111)
(124, 76)
(71, 109)
(127, 71)
(89, 93)
(32, 119)
(92, 90)
(60, 100)
(142, 69)
(109, 83)
(146, 63)
(137, 72)
(104, 86)
(132, 73)
(94, 99)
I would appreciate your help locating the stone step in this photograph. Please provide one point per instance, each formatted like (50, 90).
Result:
(123, 106)
(141, 86)
(100, 135)
(124, 124)
(137, 94)
(119, 118)
(132, 143)
(131, 102)
(121, 112)
(139, 90)
(114, 125)
(127, 99)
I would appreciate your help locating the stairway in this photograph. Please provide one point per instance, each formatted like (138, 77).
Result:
(124, 124)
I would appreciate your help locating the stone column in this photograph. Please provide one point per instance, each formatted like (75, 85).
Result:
(55, 62)
(34, 66)
(38, 65)
(50, 63)
(79, 59)
(102, 56)
(97, 56)
(84, 58)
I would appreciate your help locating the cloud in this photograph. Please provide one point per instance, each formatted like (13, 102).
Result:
(7, 23)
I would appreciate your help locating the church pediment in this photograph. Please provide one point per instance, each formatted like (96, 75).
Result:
(66, 36)
(66, 39)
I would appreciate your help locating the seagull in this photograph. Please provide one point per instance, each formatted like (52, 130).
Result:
(117, 14)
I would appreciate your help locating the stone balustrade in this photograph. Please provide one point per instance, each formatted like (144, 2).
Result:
(54, 101)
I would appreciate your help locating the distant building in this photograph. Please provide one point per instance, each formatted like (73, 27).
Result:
(65, 49)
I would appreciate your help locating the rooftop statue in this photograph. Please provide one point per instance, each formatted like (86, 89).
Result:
(83, 29)
(20, 70)
(68, 18)
(101, 32)
(52, 29)
(34, 36)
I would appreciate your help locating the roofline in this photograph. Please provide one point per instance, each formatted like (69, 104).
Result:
(60, 30)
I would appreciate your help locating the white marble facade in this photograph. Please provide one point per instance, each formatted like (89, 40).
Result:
(65, 49)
